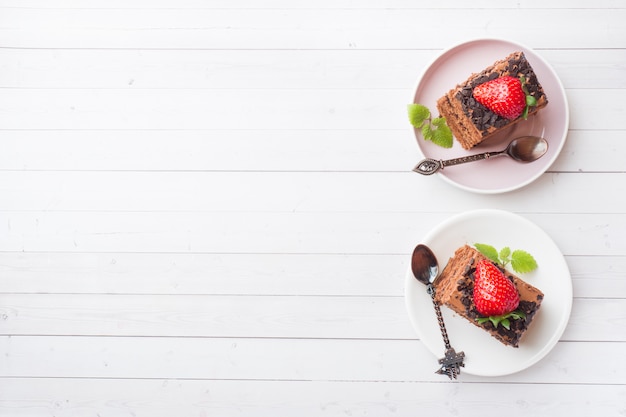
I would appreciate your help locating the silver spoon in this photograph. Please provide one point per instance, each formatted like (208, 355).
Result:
(522, 149)
(426, 269)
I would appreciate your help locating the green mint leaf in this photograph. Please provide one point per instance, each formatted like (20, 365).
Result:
(506, 324)
(531, 101)
(439, 121)
(505, 255)
(442, 135)
(435, 130)
(418, 114)
(522, 261)
(427, 131)
(488, 251)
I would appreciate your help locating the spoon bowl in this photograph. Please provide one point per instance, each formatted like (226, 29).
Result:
(424, 264)
(523, 149)
(527, 148)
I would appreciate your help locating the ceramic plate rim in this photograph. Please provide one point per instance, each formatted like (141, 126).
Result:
(415, 295)
(514, 45)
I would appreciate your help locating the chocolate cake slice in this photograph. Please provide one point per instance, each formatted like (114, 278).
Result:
(454, 289)
(472, 123)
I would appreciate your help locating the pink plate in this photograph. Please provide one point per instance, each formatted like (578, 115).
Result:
(498, 175)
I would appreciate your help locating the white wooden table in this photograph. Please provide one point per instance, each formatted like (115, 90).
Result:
(207, 208)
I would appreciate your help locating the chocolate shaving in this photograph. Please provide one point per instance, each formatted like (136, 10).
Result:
(484, 119)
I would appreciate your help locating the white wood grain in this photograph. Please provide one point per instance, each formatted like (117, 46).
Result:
(207, 209)
(251, 274)
(254, 69)
(287, 4)
(294, 192)
(276, 232)
(326, 317)
(208, 316)
(358, 150)
(245, 110)
(292, 359)
(176, 273)
(255, 28)
(172, 397)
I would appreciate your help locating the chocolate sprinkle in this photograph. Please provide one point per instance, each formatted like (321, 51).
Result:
(484, 119)
(517, 327)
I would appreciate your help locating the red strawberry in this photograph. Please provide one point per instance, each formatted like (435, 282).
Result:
(494, 294)
(504, 96)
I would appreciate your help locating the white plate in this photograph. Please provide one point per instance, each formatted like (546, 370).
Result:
(484, 355)
(498, 175)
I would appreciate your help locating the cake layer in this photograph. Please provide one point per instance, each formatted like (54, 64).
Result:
(454, 289)
(472, 123)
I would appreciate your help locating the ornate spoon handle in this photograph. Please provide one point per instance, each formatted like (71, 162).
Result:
(452, 362)
(442, 326)
(429, 166)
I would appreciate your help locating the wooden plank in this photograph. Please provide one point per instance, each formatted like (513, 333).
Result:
(167, 397)
(176, 273)
(263, 150)
(157, 191)
(291, 359)
(592, 320)
(247, 232)
(221, 69)
(592, 273)
(301, 28)
(250, 274)
(213, 150)
(286, 4)
(206, 316)
(214, 109)
(296, 232)
(253, 69)
(335, 109)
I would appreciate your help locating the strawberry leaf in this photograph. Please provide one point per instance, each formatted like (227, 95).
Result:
(530, 100)
(517, 315)
(504, 320)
